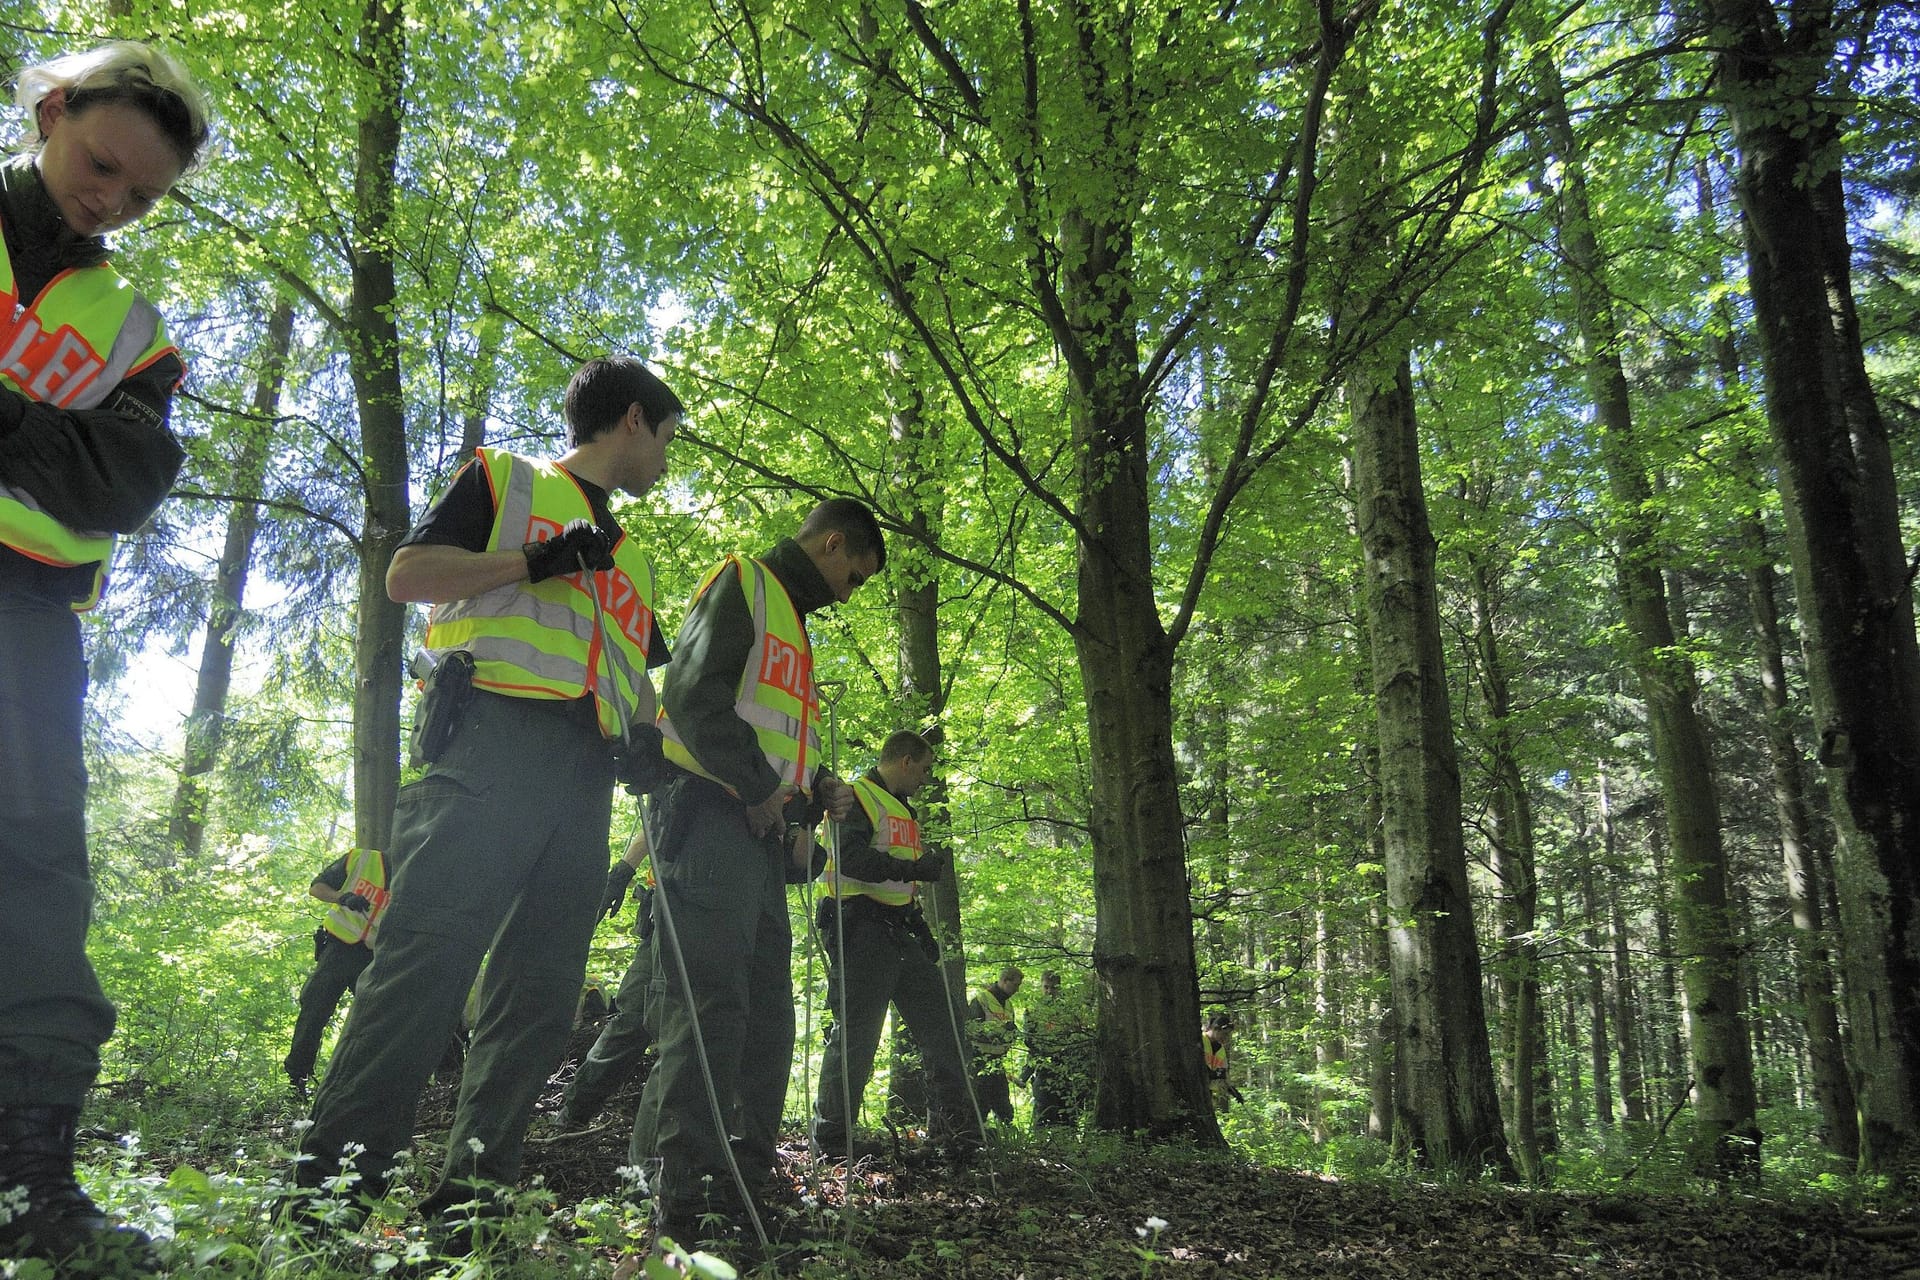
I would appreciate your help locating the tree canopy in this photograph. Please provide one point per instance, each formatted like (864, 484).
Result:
(1142, 327)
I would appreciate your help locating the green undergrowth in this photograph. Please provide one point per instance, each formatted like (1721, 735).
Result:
(202, 1174)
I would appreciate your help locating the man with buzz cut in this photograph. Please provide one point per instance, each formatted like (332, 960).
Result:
(741, 720)
(881, 952)
(545, 605)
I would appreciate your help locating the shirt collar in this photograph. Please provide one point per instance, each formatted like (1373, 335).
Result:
(33, 223)
(806, 585)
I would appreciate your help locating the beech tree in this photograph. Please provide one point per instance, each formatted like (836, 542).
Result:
(206, 723)
(1780, 67)
(1722, 1055)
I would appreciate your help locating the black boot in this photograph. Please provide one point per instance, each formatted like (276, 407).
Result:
(57, 1222)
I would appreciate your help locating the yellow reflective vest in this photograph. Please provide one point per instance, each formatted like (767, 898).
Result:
(550, 639)
(85, 334)
(995, 1035)
(776, 693)
(896, 833)
(1216, 1056)
(366, 876)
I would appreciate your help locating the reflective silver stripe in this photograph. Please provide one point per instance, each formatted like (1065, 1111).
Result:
(512, 601)
(757, 655)
(516, 504)
(750, 708)
(606, 682)
(137, 333)
(520, 654)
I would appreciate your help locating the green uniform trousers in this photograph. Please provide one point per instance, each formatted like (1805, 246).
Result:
(502, 852)
(335, 970)
(886, 961)
(623, 1042)
(53, 1015)
(725, 916)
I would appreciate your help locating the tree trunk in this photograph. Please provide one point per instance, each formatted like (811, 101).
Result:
(1674, 1049)
(1832, 1087)
(1633, 1088)
(1385, 1024)
(1849, 565)
(1570, 1018)
(1598, 1039)
(206, 724)
(1151, 1076)
(1826, 1050)
(1329, 1045)
(1445, 1085)
(1724, 1097)
(373, 354)
(1511, 841)
(921, 701)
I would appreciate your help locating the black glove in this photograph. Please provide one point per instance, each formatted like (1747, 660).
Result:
(619, 876)
(640, 764)
(931, 865)
(579, 541)
(352, 901)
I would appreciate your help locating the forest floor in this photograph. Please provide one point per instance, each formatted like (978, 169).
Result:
(1059, 1213)
(1096, 1208)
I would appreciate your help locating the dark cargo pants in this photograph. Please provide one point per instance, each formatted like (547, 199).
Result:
(623, 1042)
(725, 916)
(885, 962)
(334, 973)
(53, 1015)
(502, 853)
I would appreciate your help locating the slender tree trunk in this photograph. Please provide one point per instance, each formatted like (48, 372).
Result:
(1837, 488)
(1151, 1078)
(1384, 1025)
(1570, 1019)
(1546, 1125)
(206, 724)
(921, 701)
(1674, 1049)
(1725, 1104)
(1832, 1086)
(1626, 1040)
(1329, 1044)
(373, 354)
(1511, 839)
(1599, 1040)
(1445, 1083)
(1826, 1050)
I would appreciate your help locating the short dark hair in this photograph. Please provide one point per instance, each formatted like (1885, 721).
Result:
(1219, 1020)
(601, 390)
(904, 744)
(850, 518)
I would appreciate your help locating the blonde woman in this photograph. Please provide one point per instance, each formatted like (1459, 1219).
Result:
(87, 377)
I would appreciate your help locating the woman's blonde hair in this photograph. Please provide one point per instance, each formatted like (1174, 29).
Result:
(130, 72)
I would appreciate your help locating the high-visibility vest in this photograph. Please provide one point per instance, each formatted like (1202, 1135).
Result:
(87, 332)
(896, 833)
(546, 639)
(776, 693)
(366, 876)
(996, 1037)
(1216, 1056)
